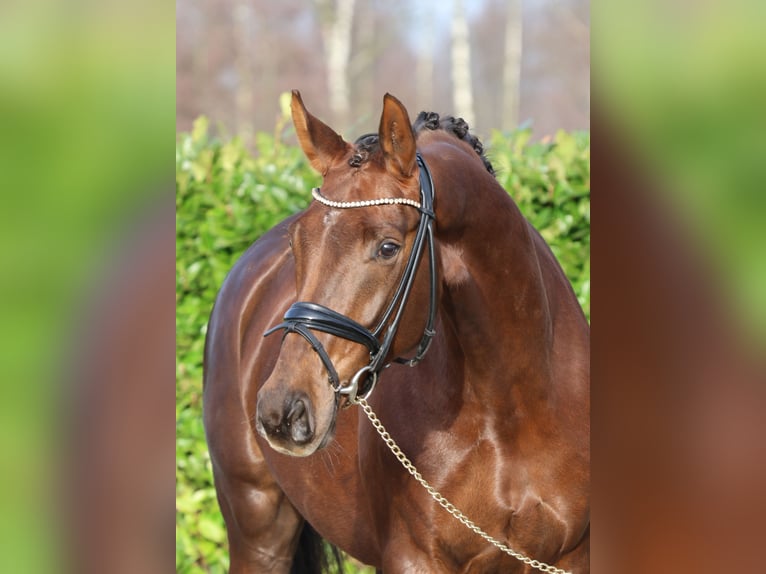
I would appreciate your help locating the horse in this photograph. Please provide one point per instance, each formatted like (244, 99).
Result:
(412, 292)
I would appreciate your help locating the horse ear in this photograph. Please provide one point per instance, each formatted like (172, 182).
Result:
(319, 142)
(396, 138)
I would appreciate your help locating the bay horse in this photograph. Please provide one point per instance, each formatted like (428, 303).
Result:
(411, 286)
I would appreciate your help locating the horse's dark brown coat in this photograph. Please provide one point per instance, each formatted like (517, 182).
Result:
(496, 416)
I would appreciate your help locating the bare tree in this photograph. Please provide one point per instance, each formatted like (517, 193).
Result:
(243, 24)
(424, 65)
(234, 58)
(512, 64)
(462, 93)
(555, 71)
(335, 20)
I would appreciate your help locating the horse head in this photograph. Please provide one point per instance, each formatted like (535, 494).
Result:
(363, 298)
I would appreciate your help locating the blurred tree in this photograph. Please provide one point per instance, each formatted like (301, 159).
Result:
(335, 19)
(424, 66)
(234, 58)
(512, 65)
(462, 87)
(243, 32)
(555, 74)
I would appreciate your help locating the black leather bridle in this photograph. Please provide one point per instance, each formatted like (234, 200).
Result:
(303, 317)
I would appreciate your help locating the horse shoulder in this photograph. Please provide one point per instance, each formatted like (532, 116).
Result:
(261, 522)
(255, 291)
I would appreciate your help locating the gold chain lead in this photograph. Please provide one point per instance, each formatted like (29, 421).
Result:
(443, 502)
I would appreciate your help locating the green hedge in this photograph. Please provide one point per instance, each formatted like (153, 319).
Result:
(550, 182)
(227, 197)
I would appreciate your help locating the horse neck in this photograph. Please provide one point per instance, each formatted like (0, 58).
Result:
(494, 293)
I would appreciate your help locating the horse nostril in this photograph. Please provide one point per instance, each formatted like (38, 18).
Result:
(293, 422)
(297, 410)
(298, 422)
(269, 423)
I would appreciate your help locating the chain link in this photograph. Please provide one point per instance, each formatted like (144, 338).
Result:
(443, 502)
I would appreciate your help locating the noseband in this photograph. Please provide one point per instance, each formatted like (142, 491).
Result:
(303, 317)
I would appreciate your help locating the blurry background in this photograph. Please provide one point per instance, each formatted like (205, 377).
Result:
(679, 337)
(496, 63)
(86, 252)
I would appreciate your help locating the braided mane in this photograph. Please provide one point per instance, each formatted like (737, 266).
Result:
(368, 144)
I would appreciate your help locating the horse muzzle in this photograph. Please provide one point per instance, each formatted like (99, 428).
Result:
(292, 421)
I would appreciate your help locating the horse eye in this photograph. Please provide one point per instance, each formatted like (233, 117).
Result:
(388, 250)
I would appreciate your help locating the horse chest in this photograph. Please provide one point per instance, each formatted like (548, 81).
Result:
(483, 482)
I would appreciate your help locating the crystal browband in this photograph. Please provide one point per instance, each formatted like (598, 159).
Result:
(368, 203)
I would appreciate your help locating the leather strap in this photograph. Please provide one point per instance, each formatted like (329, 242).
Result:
(321, 318)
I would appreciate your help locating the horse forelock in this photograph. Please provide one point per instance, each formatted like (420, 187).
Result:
(368, 145)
